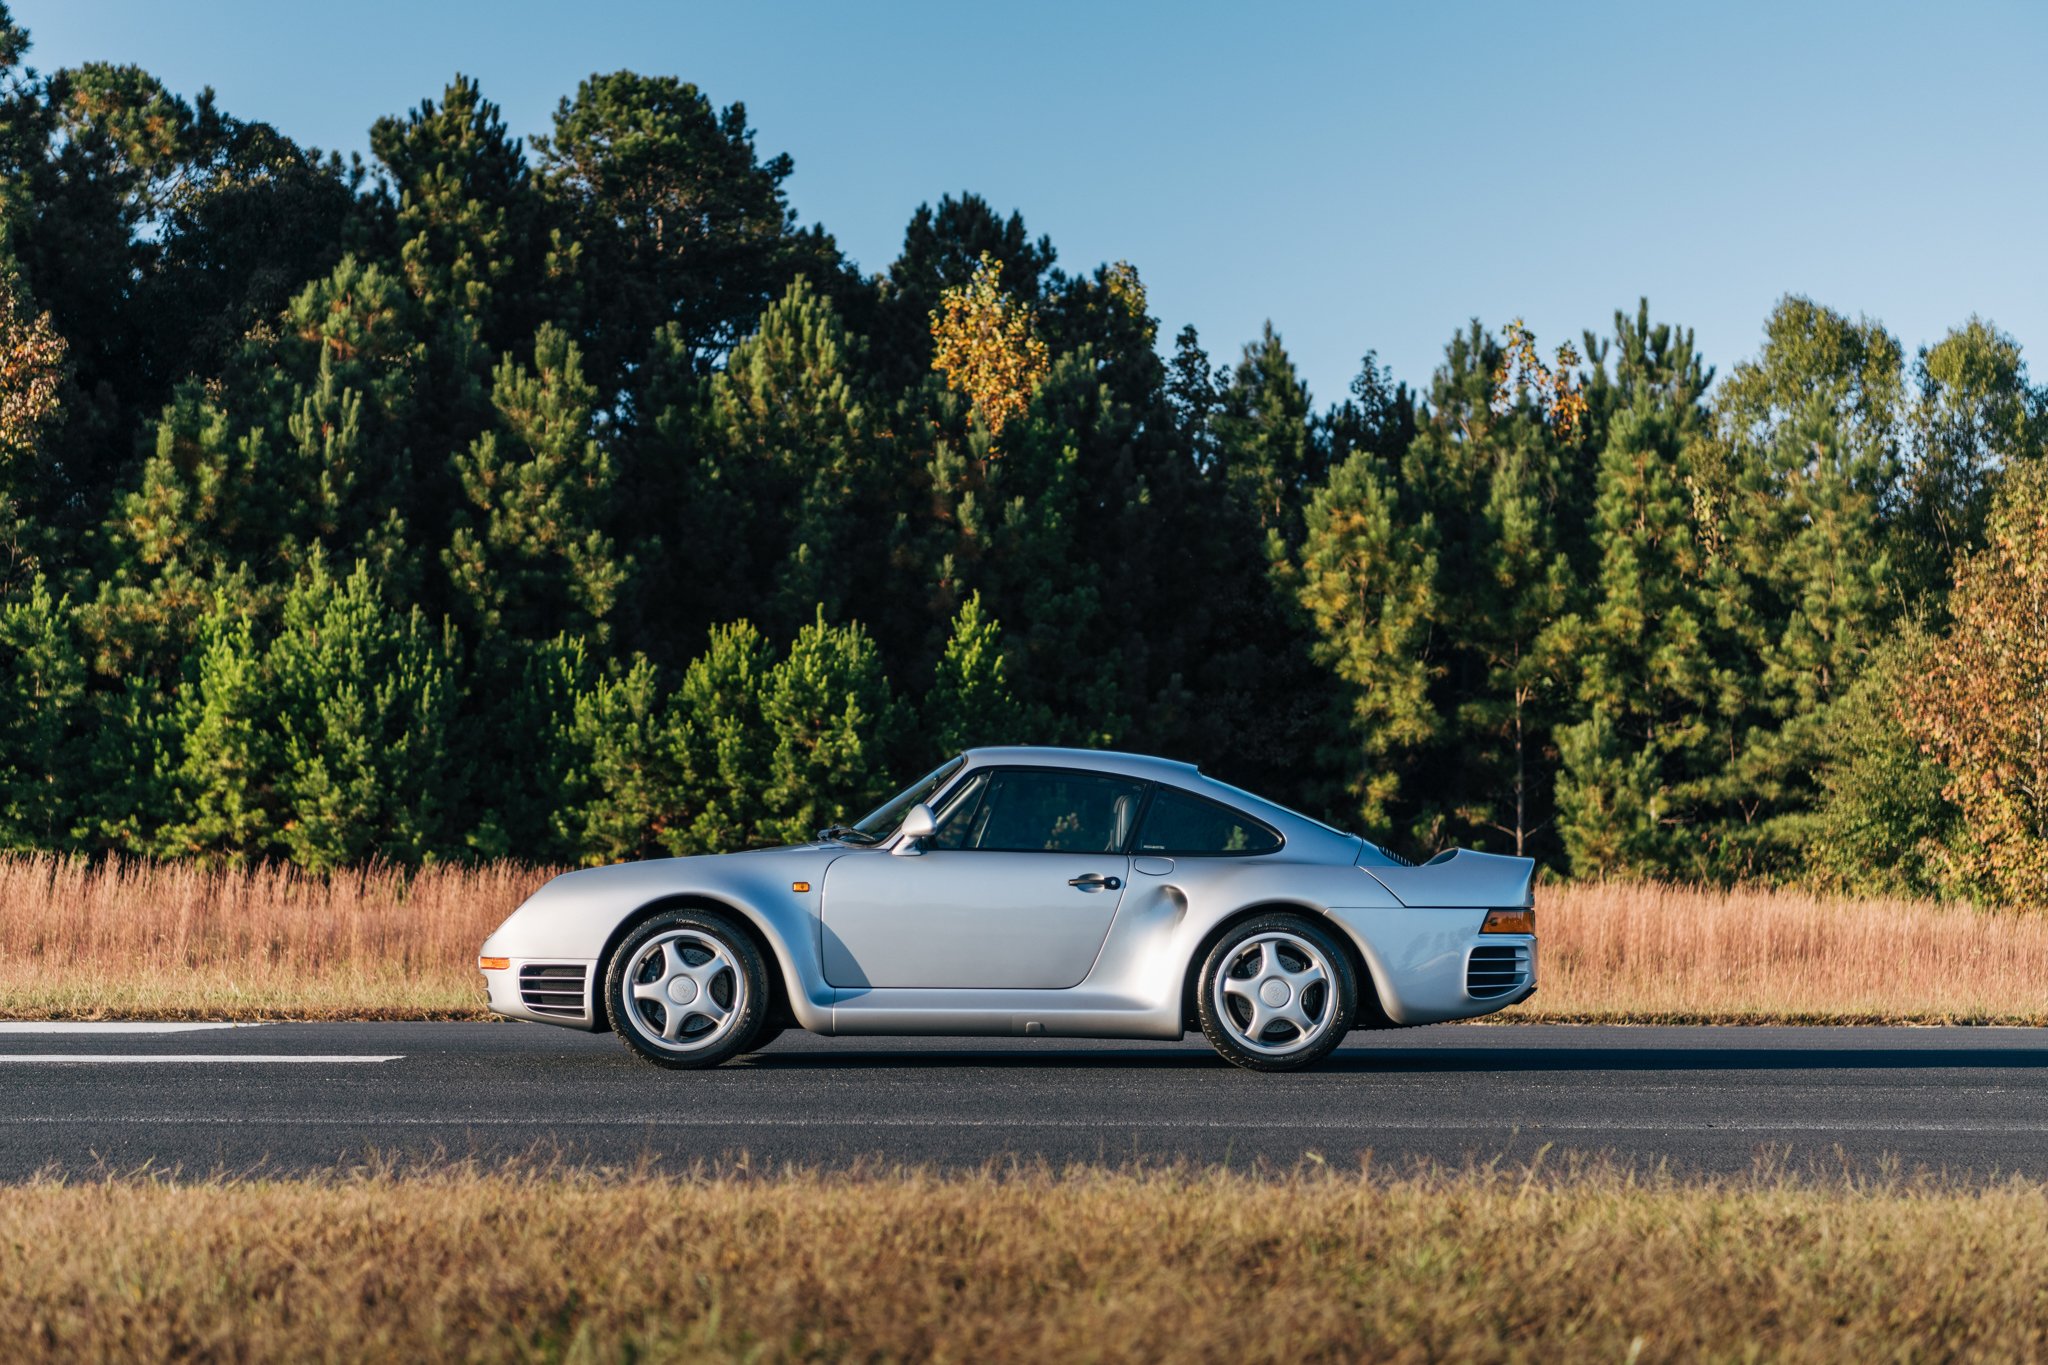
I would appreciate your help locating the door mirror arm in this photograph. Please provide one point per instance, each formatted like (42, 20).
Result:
(917, 826)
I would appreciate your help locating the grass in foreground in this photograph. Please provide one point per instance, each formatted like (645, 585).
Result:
(1093, 1265)
(139, 940)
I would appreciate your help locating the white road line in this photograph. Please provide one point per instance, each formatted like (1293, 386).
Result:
(115, 1028)
(123, 1058)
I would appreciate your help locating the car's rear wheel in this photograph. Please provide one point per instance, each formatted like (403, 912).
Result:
(1276, 993)
(687, 989)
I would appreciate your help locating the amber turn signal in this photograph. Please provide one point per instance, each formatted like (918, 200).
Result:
(799, 886)
(1509, 922)
(493, 964)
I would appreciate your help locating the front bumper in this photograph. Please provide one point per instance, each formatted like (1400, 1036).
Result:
(559, 991)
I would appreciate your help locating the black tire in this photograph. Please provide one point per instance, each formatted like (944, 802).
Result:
(765, 1035)
(726, 978)
(1309, 967)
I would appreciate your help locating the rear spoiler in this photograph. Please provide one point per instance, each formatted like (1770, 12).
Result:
(1461, 879)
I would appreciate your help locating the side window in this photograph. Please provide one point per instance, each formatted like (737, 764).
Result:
(959, 819)
(1193, 825)
(1029, 810)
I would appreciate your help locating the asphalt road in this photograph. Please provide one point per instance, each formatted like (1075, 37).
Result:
(304, 1096)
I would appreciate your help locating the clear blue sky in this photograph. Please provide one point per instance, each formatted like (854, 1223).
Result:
(1364, 175)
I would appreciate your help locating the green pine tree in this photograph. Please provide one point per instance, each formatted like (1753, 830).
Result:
(1653, 662)
(523, 755)
(1808, 434)
(1366, 578)
(788, 497)
(1504, 491)
(222, 806)
(363, 704)
(725, 746)
(1973, 414)
(832, 721)
(1265, 438)
(470, 220)
(629, 771)
(1883, 825)
(684, 226)
(296, 453)
(970, 703)
(129, 792)
(43, 719)
(530, 556)
(1614, 807)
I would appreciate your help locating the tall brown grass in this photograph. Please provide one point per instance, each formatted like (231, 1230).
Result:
(171, 940)
(1085, 1265)
(175, 940)
(1644, 952)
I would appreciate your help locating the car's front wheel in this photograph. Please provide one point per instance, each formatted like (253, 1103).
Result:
(687, 989)
(1276, 993)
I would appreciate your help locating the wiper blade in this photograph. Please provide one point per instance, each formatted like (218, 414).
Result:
(847, 834)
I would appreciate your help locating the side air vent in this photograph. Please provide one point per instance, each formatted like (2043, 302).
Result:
(1496, 969)
(557, 988)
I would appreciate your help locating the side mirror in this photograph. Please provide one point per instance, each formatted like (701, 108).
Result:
(919, 824)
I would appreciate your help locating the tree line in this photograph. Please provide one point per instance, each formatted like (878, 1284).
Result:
(568, 499)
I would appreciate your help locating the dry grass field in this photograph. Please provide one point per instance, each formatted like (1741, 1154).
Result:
(141, 940)
(1593, 1264)
(1615, 952)
(172, 940)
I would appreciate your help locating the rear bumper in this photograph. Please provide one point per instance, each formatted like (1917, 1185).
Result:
(558, 991)
(1432, 965)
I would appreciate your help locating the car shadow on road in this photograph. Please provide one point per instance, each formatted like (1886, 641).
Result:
(1432, 1060)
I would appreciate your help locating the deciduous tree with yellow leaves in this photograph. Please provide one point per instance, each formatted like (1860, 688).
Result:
(1522, 373)
(31, 370)
(32, 363)
(1981, 708)
(986, 344)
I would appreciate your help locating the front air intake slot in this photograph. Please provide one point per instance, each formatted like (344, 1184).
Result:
(1496, 969)
(555, 988)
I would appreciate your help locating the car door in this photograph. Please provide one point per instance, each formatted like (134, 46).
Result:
(1015, 890)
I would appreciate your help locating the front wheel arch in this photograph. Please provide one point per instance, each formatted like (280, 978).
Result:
(1371, 1014)
(779, 1015)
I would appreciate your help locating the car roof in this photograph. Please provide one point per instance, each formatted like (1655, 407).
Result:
(1141, 766)
(1293, 825)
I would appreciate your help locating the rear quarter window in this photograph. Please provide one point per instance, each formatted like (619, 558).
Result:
(1182, 825)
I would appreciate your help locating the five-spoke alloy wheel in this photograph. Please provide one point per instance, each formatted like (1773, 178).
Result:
(687, 989)
(1276, 993)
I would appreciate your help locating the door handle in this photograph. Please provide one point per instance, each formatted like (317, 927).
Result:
(1095, 881)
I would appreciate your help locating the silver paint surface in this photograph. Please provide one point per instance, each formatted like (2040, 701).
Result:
(979, 942)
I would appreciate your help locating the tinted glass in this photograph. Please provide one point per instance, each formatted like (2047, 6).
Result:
(956, 819)
(883, 820)
(1057, 812)
(1183, 824)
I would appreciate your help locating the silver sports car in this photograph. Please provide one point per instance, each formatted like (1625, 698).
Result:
(1041, 892)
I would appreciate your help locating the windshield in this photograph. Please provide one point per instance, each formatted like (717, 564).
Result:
(883, 820)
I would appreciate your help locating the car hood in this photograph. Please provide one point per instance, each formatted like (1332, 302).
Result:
(571, 913)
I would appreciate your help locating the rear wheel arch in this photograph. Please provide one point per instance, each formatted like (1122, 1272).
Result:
(1371, 1014)
(779, 1014)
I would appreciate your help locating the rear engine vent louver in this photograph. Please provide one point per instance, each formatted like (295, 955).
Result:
(1497, 969)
